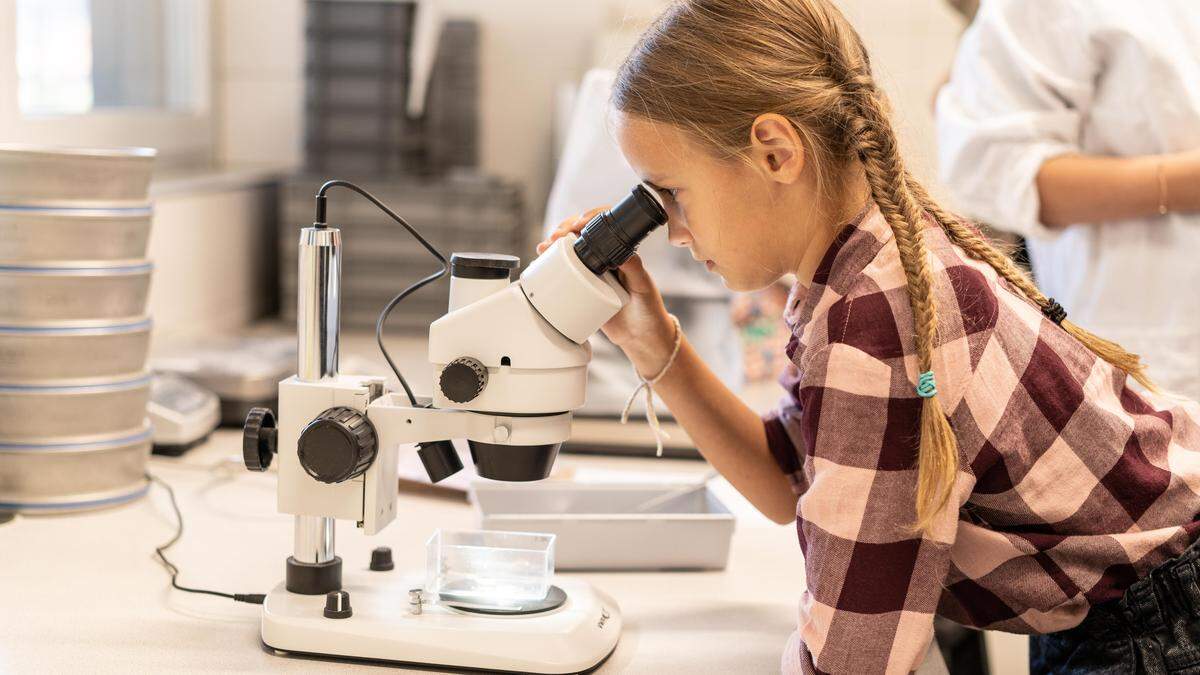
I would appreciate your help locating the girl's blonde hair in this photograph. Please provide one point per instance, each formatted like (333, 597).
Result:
(710, 67)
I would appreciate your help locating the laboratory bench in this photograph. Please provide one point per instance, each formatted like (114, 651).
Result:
(85, 592)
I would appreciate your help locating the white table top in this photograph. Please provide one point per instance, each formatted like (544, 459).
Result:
(84, 592)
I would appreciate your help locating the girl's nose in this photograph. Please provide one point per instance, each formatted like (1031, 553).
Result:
(678, 234)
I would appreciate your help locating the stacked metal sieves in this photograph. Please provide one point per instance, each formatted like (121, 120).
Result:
(74, 334)
(463, 212)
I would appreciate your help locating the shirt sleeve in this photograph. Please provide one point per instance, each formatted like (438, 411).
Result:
(782, 426)
(873, 583)
(1021, 86)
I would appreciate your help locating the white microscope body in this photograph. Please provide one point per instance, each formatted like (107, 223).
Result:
(511, 358)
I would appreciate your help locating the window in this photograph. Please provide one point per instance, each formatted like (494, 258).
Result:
(108, 72)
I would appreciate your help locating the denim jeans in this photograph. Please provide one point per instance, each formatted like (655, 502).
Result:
(1153, 628)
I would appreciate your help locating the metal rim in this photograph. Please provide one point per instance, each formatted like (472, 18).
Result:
(65, 330)
(96, 380)
(112, 498)
(83, 443)
(72, 323)
(130, 152)
(143, 380)
(114, 213)
(145, 434)
(116, 268)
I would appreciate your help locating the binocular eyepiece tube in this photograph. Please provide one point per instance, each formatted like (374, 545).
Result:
(609, 239)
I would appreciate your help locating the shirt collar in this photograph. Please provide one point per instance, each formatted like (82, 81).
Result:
(855, 245)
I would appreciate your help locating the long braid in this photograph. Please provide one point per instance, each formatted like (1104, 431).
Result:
(892, 191)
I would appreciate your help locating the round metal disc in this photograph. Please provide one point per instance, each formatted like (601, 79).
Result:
(554, 599)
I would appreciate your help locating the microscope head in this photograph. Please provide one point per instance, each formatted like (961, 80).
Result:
(517, 352)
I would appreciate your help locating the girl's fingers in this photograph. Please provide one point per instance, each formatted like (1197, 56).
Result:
(570, 225)
(577, 223)
(635, 277)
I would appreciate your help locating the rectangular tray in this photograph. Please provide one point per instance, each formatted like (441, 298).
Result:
(597, 528)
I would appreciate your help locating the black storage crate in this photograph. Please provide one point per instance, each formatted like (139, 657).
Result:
(358, 75)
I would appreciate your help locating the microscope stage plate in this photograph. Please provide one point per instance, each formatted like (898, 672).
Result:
(573, 638)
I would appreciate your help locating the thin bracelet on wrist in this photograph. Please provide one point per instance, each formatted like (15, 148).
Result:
(676, 340)
(1163, 208)
(647, 386)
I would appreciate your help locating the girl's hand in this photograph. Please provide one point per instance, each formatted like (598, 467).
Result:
(642, 329)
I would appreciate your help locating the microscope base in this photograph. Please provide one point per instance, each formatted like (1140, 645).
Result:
(573, 638)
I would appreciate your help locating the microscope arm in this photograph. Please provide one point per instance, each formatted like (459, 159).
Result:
(396, 423)
(399, 426)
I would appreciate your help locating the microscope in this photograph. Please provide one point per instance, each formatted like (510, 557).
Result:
(510, 361)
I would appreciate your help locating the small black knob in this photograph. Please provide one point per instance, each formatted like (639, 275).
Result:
(258, 439)
(381, 559)
(337, 605)
(463, 379)
(440, 459)
(338, 445)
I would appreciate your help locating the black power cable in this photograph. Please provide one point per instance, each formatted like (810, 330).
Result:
(252, 598)
(319, 222)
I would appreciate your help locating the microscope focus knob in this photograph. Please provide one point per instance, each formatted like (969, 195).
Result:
(338, 445)
(259, 439)
(463, 379)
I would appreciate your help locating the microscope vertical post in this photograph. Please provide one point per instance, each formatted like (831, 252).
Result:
(318, 285)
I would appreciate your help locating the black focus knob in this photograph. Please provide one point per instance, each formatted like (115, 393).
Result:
(337, 605)
(259, 439)
(463, 379)
(338, 445)
(381, 559)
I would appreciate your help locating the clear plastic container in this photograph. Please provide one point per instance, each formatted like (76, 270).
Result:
(486, 568)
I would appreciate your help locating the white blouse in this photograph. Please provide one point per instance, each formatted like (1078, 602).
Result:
(1034, 79)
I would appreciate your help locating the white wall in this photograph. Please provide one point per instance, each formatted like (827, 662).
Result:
(258, 83)
(180, 137)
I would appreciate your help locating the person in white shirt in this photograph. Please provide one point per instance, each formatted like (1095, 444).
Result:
(1076, 123)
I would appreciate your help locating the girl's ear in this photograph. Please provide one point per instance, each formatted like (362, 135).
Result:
(775, 148)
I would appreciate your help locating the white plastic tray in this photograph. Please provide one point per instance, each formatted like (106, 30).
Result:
(598, 528)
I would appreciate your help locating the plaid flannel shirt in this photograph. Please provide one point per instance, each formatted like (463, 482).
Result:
(1071, 485)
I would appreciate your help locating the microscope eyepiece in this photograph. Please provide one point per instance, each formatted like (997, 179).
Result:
(610, 238)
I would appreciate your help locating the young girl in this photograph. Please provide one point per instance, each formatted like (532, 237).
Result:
(958, 447)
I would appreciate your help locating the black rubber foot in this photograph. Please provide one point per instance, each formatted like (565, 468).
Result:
(314, 578)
